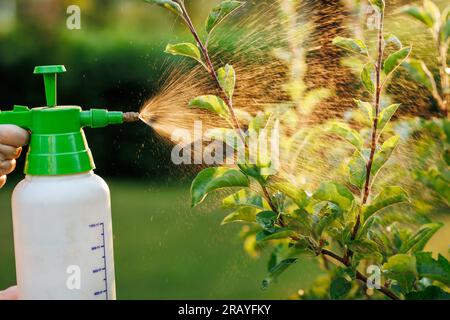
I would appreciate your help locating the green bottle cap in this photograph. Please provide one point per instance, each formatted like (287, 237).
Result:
(58, 145)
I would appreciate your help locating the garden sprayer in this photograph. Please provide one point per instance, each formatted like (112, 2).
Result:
(62, 210)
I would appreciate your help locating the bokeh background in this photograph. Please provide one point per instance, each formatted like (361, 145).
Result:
(163, 249)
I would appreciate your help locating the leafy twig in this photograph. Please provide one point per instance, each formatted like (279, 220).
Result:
(229, 102)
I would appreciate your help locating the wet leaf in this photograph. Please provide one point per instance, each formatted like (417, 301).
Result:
(419, 14)
(211, 179)
(186, 50)
(386, 116)
(418, 241)
(402, 269)
(220, 13)
(243, 214)
(211, 103)
(227, 79)
(352, 45)
(387, 197)
(394, 60)
(335, 193)
(368, 77)
(168, 4)
(347, 133)
(383, 155)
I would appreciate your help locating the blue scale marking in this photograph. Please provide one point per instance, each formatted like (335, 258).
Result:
(97, 270)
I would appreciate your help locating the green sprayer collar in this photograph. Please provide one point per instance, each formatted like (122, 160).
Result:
(58, 145)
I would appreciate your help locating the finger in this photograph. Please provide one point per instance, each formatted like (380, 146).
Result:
(13, 136)
(10, 294)
(2, 181)
(9, 153)
(7, 166)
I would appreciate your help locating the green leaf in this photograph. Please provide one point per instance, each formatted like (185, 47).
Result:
(255, 171)
(368, 77)
(211, 103)
(394, 60)
(298, 195)
(339, 288)
(418, 241)
(244, 214)
(379, 4)
(347, 133)
(277, 270)
(430, 268)
(266, 220)
(186, 50)
(390, 38)
(168, 4)
(211, 179)
(429, 293)
(244, 198)
(387, 197)
(383, 155)
(420, 73)
(402, 268)
(335, 193)
(419, 14)
(220, 12)
(352, 45)
(326, 214)
(357, 170)
(227, 79)
(386, 116)
(367, 225)
(279, 233)
(367, 109)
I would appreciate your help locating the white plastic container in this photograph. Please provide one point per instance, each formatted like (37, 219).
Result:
(63, 237)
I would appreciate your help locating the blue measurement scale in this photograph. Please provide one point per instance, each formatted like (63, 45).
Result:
(100, 250)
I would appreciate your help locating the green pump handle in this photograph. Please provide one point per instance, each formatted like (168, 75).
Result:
(58, 145)
(50, 74)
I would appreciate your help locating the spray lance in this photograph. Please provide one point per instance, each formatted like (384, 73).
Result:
(62, 210)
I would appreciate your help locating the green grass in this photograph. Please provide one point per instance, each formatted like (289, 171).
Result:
(165, 250)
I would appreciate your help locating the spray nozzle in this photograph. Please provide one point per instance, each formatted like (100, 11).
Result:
(58, 145)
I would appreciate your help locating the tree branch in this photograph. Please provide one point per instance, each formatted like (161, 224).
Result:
(373, 145)
(383, 289)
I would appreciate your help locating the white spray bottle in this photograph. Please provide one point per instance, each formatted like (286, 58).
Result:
(62, 210)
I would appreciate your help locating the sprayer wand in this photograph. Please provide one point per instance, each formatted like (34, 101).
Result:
(131, 117)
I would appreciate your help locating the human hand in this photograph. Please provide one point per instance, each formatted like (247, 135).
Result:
(12, 139)
(9, 294)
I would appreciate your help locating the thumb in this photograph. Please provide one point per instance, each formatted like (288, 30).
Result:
(9, 294)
